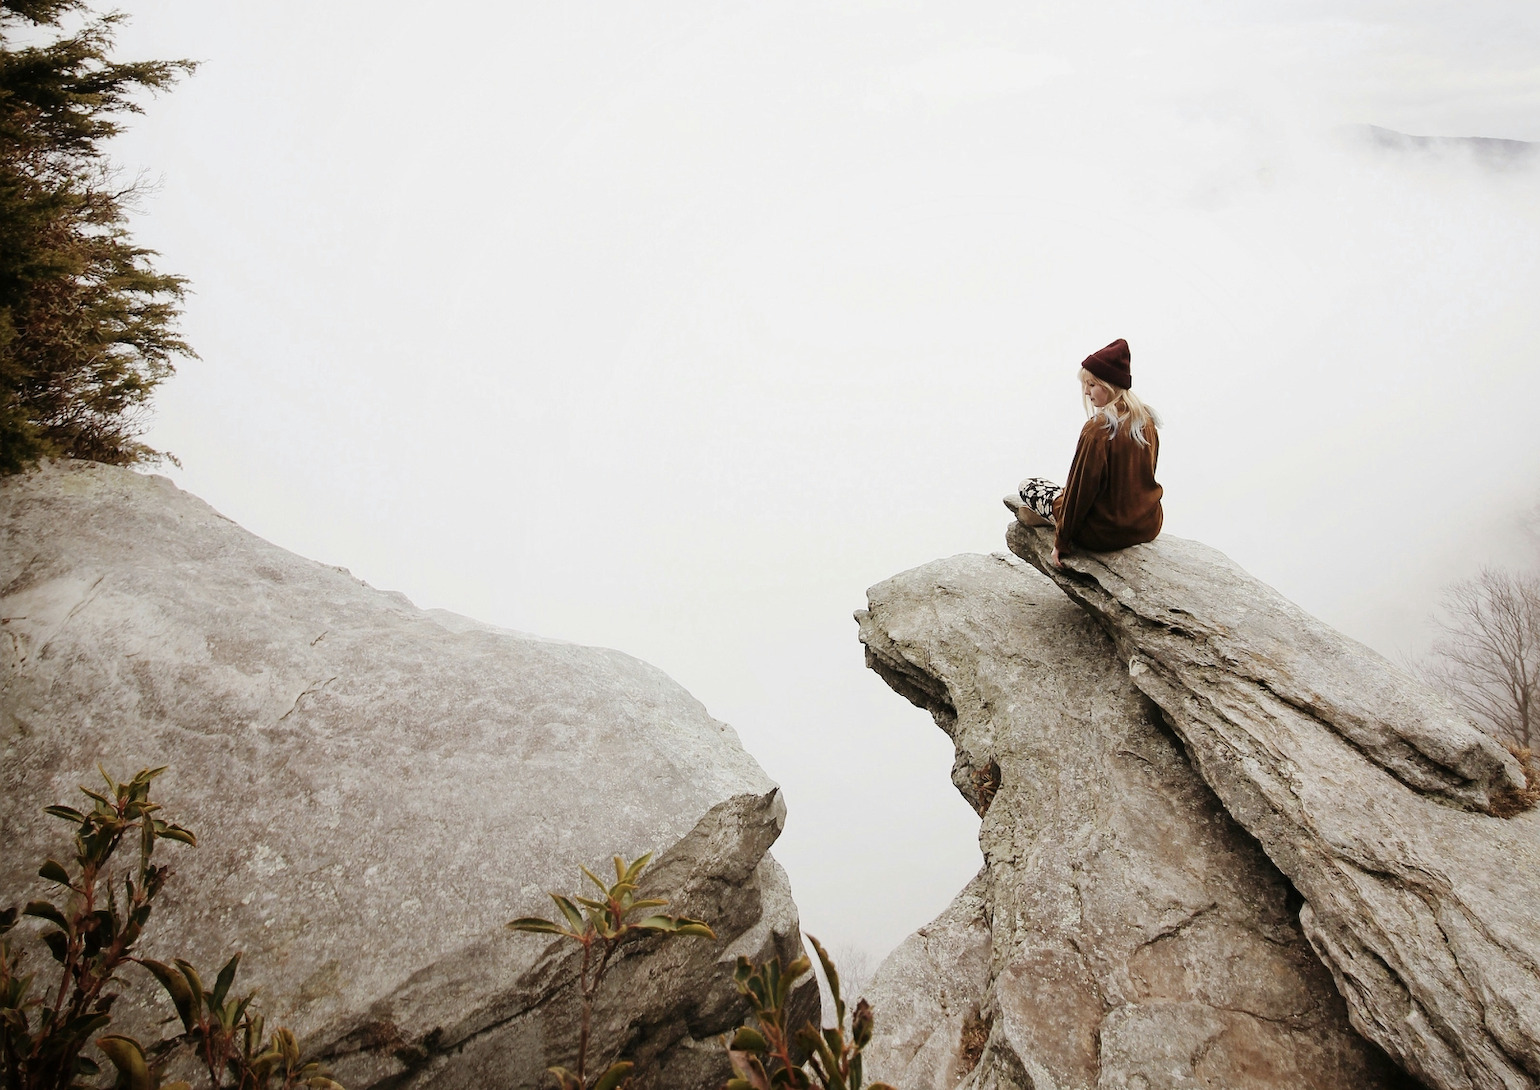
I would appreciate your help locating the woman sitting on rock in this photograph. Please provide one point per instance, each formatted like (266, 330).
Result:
(1111, 500)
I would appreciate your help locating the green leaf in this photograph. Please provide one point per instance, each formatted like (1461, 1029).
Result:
(58, 945)
(613, 1077)
(822, 1057)
(128, 1058)
(570, 910)
(535, 923)
(68, 813)
(45, 911)
(194, 984)
(166, 831)
(100, 934)
(833, 977)
(225, 979)
(565, 1079)
(176, 987)
(86, 1024)
(861, 1024)
(146, 842)
(748, 1040)
(786, 1078)
(783, 985)
(253, 1034)
(750, 1072)
(635, 868)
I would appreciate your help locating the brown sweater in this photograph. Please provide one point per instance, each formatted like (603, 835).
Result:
(1111, 500)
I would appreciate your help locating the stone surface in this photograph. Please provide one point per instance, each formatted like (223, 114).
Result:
(1363, 786)
(1138, 937)
(928, 993)
(376, 790)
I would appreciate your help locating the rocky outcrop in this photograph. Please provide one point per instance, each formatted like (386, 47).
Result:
(1369, 791)
(1137, 937)
(376, 790)
(930, 994)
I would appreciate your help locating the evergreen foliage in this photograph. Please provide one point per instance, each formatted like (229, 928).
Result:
(87, 326)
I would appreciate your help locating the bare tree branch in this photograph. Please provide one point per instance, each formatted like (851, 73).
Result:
(1487, 656)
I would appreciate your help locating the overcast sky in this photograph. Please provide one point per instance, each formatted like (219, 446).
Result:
(673, 327)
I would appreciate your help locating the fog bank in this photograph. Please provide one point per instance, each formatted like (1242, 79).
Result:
(675, 330)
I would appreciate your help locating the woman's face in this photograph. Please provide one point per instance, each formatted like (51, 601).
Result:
(1098, 393)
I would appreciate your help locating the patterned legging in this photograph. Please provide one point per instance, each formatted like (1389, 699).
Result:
(1039, 494)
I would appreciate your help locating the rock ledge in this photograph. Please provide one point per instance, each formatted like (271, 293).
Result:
(1124, 932)
(1363, 786)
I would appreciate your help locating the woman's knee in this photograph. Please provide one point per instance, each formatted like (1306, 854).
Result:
(1038, 494)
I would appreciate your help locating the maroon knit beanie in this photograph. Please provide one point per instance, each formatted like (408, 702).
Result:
(1110, 364)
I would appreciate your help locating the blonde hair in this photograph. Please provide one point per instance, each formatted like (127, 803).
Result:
(1136, 412)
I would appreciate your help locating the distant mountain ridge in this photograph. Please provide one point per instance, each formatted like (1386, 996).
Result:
(1491, 151)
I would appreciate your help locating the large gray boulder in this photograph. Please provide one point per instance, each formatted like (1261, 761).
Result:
(1132, 934)
(376, 790)
(1371, 792)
